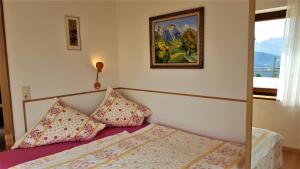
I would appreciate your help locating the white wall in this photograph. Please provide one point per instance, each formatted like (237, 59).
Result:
(117, 32)
(37, 54)
(267, 4)
(207, 117)
(224, 73)
(270, 114)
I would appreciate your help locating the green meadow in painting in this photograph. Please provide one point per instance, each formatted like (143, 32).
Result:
(176, 40)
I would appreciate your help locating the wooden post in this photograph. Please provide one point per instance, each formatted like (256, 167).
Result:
(250, 83)
(4, 85)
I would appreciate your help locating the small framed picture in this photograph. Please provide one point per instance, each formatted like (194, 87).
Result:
(73, 33)
(177, 40)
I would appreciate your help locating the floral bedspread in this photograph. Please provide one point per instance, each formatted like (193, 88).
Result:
(153, 147)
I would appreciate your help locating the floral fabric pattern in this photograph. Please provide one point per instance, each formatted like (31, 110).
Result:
(71, 153)
(115, 110)
(154, 146)
(60, 124)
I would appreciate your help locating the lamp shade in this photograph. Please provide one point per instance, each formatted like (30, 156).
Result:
(99, 66)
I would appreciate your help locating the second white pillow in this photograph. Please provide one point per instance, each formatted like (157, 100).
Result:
(115, 110)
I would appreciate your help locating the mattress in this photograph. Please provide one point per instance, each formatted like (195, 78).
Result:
(13, 157)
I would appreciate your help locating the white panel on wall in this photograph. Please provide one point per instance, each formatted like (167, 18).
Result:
(208, 117)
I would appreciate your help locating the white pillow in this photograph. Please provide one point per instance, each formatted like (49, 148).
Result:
(60, 124)
(115, 110)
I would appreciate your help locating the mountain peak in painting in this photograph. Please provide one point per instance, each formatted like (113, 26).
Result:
(169, 33)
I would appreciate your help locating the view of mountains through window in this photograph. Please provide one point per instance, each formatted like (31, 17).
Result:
(268, 45)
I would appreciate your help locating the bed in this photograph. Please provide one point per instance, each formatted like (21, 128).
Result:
(266, 149)
(153, 146)
(11, 158)
(183, 149)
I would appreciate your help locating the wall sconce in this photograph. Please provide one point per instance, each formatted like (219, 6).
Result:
(99, 66)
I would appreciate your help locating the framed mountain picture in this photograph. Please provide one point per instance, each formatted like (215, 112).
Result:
(177, 39)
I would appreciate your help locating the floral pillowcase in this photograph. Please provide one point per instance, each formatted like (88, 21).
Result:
(117, 111)
(60, 124)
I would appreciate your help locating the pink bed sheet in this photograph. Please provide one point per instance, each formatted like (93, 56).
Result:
(11, 158)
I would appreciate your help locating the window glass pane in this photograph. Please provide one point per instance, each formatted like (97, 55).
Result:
(268, 45)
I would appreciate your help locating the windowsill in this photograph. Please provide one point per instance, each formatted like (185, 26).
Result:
(264, 97)
(265, 82)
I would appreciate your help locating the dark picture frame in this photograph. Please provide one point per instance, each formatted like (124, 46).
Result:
(177, 40)
(73, 32)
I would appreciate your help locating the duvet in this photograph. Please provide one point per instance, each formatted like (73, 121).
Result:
(154, 146)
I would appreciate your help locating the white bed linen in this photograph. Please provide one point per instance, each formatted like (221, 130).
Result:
(264, 143)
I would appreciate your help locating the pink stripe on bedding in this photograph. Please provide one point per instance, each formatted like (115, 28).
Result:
(11, 158)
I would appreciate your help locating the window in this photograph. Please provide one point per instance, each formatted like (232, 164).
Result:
(269, 32)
